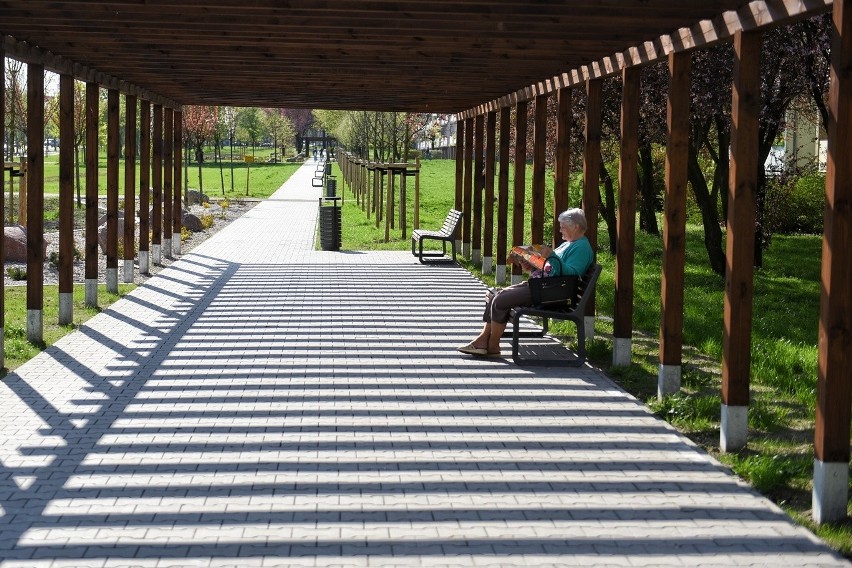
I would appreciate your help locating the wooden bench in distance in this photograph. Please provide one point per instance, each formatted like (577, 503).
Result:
(572, 308)
(445, 235)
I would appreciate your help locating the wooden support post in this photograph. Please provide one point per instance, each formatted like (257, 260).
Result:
(478, 187)
(591, 179)
(35, 202)
(66, 199)
(378, 188)
(538, 173)
(177, 210)
(389, 203)
(519, 204)
(402, 202)
(503, 197)
(468, 187)
(112, 192)
(563, 160)
(834, 371)
(417, 192)
(92, 252)
(144, 185)
(488, 203)
(459, 197)
(742, 189)
(627, 181)
(674, 225)
(129, 236)
(168, 171)
(157, 187)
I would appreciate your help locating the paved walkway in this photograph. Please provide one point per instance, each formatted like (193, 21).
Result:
(259, 403)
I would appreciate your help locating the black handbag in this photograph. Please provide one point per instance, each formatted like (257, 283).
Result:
(553, 290)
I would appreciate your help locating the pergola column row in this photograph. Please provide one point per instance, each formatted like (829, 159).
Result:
(834, 400)
(168, 143)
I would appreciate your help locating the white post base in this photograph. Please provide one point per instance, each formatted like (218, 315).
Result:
(176, 245)
(91, 292)
(111, 279)
(466, 250)
(621, 351)
(476, 256)
(35, 327)
(167, 248)
(831, 491)
(156, 254)
(144, 267)
(66, 308)
(500, 275)
(487, 265)
(668, 380)
(517, 278)
(127, 275)
(589, 326)
(733, 434)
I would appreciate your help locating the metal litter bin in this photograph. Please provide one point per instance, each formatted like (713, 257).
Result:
(329, 223)
(330, 186)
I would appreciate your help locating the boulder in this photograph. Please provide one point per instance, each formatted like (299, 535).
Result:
(193, 197)
(191, 222)
(15, 240)
(102, 230)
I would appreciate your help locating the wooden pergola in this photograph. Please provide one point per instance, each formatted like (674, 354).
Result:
(477, 60)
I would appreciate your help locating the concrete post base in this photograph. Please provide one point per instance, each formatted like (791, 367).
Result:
(589, 326)
(621, 351)
(144, 267)
(668, 380)
(831, 491)
(111, 279)
(176, 248)
(35, 326)
(465, 250)
(66, 308)
(517, 278)
(487, 263)
(734, 432)
(91, 292)
(500, 275)
(476, 256)
(127, 272)
(156, 254)
(167, 248)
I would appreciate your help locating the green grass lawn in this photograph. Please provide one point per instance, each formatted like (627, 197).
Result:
(779, 458)
(259, 180)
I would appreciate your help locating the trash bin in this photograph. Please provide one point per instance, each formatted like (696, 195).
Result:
(329, 223)
(330, 186)
(328, 168)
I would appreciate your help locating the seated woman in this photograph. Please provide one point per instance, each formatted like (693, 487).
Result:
(573, 257)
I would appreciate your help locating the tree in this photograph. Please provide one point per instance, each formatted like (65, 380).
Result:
(280, 128)
(199, 124)
(302, 119)
(250, 123)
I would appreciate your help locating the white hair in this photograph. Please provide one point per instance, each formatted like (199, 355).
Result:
(574, 217)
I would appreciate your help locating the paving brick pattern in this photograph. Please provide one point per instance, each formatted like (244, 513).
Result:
(260, 403)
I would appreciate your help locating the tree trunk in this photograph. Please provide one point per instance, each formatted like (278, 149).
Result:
(608, 207)
(709, 215)
(648, 199)
(77, 172)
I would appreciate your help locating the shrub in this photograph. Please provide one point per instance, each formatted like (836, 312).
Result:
(17, 273)
(798, 207)
(207, 221)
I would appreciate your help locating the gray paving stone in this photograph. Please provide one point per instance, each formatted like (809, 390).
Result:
(262, 403)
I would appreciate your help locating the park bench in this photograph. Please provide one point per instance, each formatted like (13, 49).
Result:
(446, 235)
(556, 298)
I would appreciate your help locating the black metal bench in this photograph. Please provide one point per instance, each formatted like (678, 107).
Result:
(445, 235)
(577, 292)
